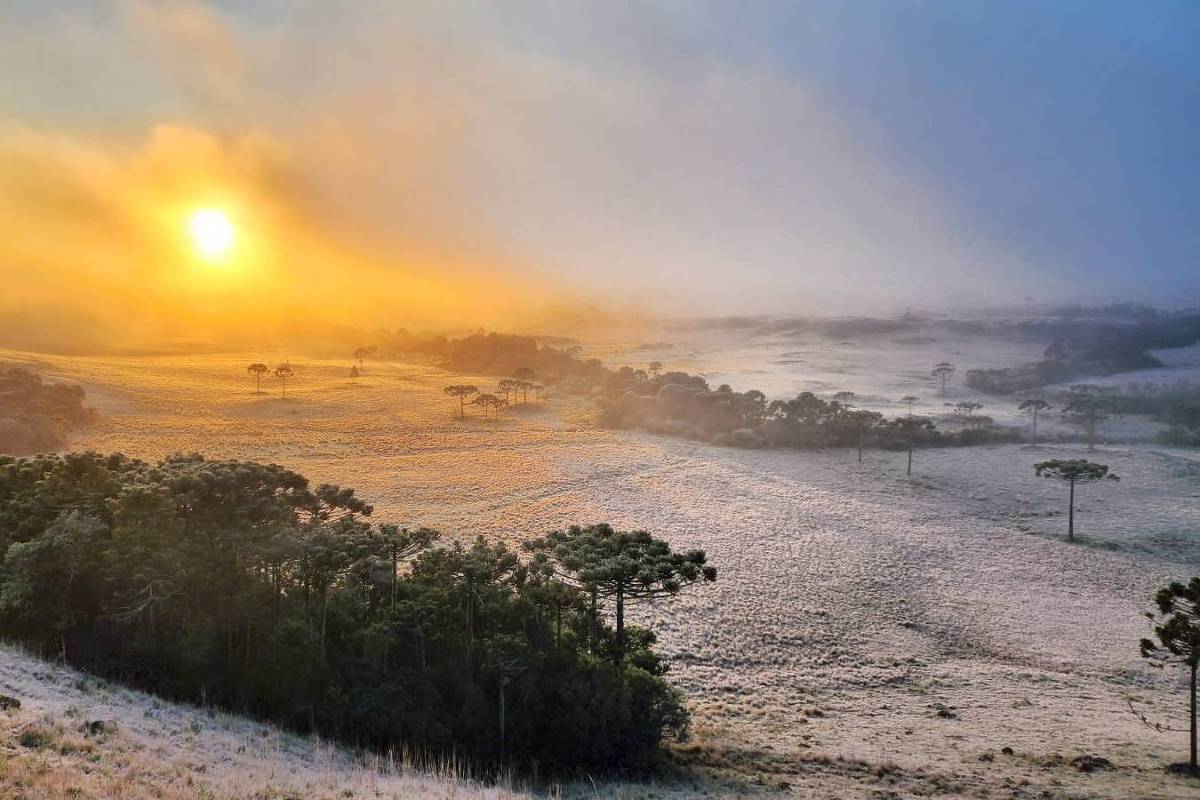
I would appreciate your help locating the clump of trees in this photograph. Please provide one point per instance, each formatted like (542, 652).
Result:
(37, 415)
(1176, 642)
(1089, 352)
(239, 584)
(1072, 472)
(679, 404)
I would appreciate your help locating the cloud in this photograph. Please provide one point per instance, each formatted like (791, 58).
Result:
(417, 162)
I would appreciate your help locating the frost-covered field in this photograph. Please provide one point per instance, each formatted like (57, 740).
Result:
(870, 633)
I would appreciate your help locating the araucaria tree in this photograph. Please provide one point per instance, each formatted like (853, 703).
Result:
(524, 377)
(908, 400)
(1177, 629)
(462, 391)
(942, 371)
(282, 373)
(624, 566)
(860, 423)
(655, 368)
(1087, 406)
(487, 400)
(1071, 472)
(258, 370)
(361, 353)
(908, 429)
(1033, 407)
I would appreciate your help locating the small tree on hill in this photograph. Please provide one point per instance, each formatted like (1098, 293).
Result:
(942, 371)
(462, 391)
(1071, 472)
(1178, 634)
(258, 370)
(282, 373)
(908, 400)
(624, 566)
(1033, 407)
(1086, 407)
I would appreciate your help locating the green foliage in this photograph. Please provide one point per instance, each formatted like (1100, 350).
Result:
(239, 584)
(1177, 631)
(624, 566)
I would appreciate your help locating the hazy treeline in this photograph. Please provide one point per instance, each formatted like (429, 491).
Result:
(238, 584)
(685, 405)
(1086, 346)
(36, 416)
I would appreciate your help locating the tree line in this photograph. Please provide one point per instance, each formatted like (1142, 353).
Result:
(239, 584)
(37, 415)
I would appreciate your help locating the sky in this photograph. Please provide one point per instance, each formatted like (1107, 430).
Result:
(493, 163)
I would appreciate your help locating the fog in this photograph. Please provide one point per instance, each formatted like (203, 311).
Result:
(452, 164)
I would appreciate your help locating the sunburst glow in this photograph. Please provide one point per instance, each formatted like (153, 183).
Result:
(212, 234)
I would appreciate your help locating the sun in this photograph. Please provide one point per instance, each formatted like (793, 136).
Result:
(212, 233)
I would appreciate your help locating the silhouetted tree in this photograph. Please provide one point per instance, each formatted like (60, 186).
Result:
(624, 566)
(524, 377)
(485, 401)
(462, 392)
(282, 373)
(1033, 407)
(846, 399)
(1178, 634)
(967, 407)
(942, 371)
(908, 400)
(908, 428)
(861, 422)
(400, 545)
(508, 387)
(1073, 471)
(655, 368)
(1087, 406)
(361, 353)
(258, 370)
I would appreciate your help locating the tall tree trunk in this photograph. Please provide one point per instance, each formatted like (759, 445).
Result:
(502, 681)
(1193, 725)
(620, 655)
(909, 458)
(394, 566)
(592, 624)
(1071, 514)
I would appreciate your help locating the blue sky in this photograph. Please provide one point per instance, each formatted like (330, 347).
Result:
(713, 156)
